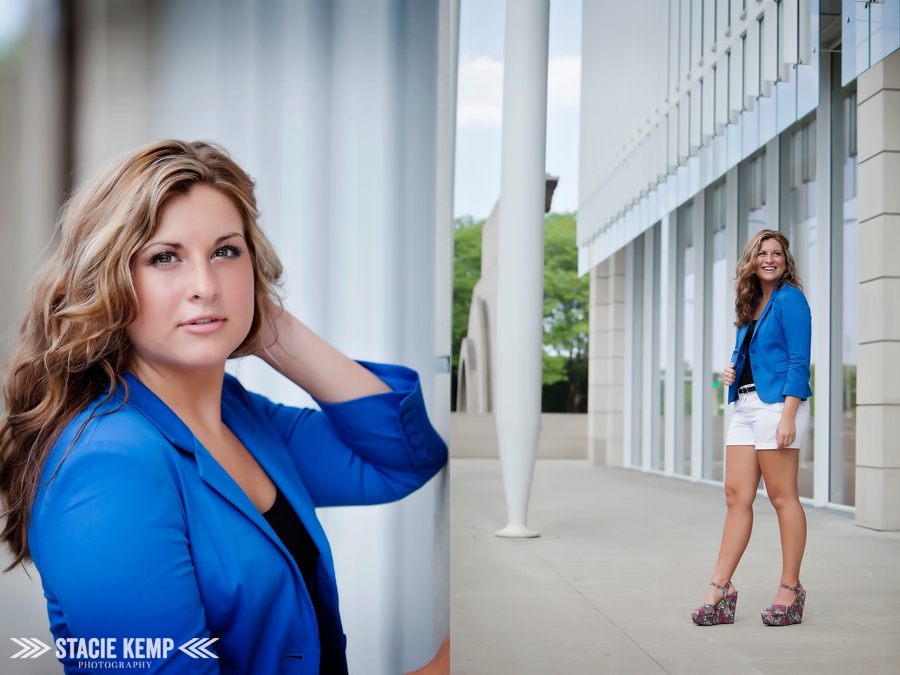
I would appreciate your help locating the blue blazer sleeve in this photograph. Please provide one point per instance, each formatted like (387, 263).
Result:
(115, 544)
(369, 450)
(796, 322)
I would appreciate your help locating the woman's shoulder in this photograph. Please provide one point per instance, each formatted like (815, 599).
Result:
(789, 295)
(108, 426)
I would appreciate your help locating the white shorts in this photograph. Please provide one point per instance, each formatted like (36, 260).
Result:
(754, 422)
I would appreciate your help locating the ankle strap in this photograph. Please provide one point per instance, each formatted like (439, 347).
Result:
(789, 588)
(721, 588)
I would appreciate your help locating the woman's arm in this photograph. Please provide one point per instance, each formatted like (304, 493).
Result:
(114, 555)
(296, 352)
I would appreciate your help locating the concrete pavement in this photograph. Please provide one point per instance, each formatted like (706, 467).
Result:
(623, 559)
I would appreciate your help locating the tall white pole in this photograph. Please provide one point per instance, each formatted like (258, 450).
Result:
(520, 268)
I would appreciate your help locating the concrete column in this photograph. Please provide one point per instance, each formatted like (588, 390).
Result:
(598, 363)
(615, 373)
(606, 362)
(878, 388)
(520, 282)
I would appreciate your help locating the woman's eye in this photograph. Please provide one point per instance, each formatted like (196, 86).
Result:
(227, 252)
(163, 259)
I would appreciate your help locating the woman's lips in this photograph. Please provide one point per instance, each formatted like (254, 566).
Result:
(201, 328)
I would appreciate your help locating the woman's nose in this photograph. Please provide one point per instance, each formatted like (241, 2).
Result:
(203, 284)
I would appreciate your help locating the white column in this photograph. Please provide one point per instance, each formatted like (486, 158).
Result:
(447, 69)
(521, 253)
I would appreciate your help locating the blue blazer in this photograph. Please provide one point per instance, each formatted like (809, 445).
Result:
(779, 348)
(140, 533)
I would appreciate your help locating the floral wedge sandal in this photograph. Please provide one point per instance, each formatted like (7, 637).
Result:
(722, 612)
(781, 615)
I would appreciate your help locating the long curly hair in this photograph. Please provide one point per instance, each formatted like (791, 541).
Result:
(747, 283)
(73, 342)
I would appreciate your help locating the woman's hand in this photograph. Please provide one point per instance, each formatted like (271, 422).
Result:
(786, 431)
(728, 375)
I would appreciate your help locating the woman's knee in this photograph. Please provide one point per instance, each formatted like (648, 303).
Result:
(739, 496)
(784, 500)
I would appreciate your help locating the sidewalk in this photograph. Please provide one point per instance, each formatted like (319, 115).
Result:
(622, 560)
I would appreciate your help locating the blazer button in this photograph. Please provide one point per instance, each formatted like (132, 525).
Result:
(421, 453)
(752, 351)
(755, 367)
(410, 429)
(416, 440)
(407, 416)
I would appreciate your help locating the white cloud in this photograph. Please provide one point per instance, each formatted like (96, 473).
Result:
(479, 93)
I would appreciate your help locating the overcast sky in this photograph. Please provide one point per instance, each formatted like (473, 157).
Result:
(480, 104)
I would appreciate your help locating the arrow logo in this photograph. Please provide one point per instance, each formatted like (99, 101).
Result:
(31, 648)
(196, 648)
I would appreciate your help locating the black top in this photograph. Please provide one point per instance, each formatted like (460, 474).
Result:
(289, 528)
(295, 537)
(747, 371)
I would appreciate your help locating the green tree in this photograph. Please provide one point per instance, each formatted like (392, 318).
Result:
(466, 273)
(566, 302)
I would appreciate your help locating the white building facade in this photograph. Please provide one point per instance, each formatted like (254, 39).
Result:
(702, 122)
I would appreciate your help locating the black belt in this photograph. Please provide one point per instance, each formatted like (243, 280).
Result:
(747, 388)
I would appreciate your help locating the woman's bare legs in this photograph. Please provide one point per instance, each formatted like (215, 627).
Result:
(741, 482)
(779, 468)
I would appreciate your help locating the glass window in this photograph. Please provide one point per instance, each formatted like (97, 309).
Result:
(754, 184)
(663, 230)
(802, 234)
(637, 349)
(843, 458)
(686, 321)
(722, 315)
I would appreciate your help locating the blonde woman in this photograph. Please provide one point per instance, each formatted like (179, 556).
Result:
(768, 380)
(156, 496)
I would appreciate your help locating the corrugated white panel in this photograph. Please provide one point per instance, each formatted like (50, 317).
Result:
(684, 54)
(708, 128)
(709, 30)
(672, 133)
(722, 93)
(751, 64)
(698, 49)
(804, 39)
(684, 128)
(696, 118)
(769, 46)
(737, 9)
(790, 46)
(721, 22)
(736, 81)
(674, 50)
(662, 144)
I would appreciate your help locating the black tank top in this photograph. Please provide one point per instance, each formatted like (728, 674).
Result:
(747, 371)
(295, 537)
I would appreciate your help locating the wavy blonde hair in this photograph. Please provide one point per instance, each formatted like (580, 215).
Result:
(747, 283)
(73, 343)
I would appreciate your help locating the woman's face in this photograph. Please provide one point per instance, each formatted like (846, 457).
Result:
(770, 261)
(194, 282)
